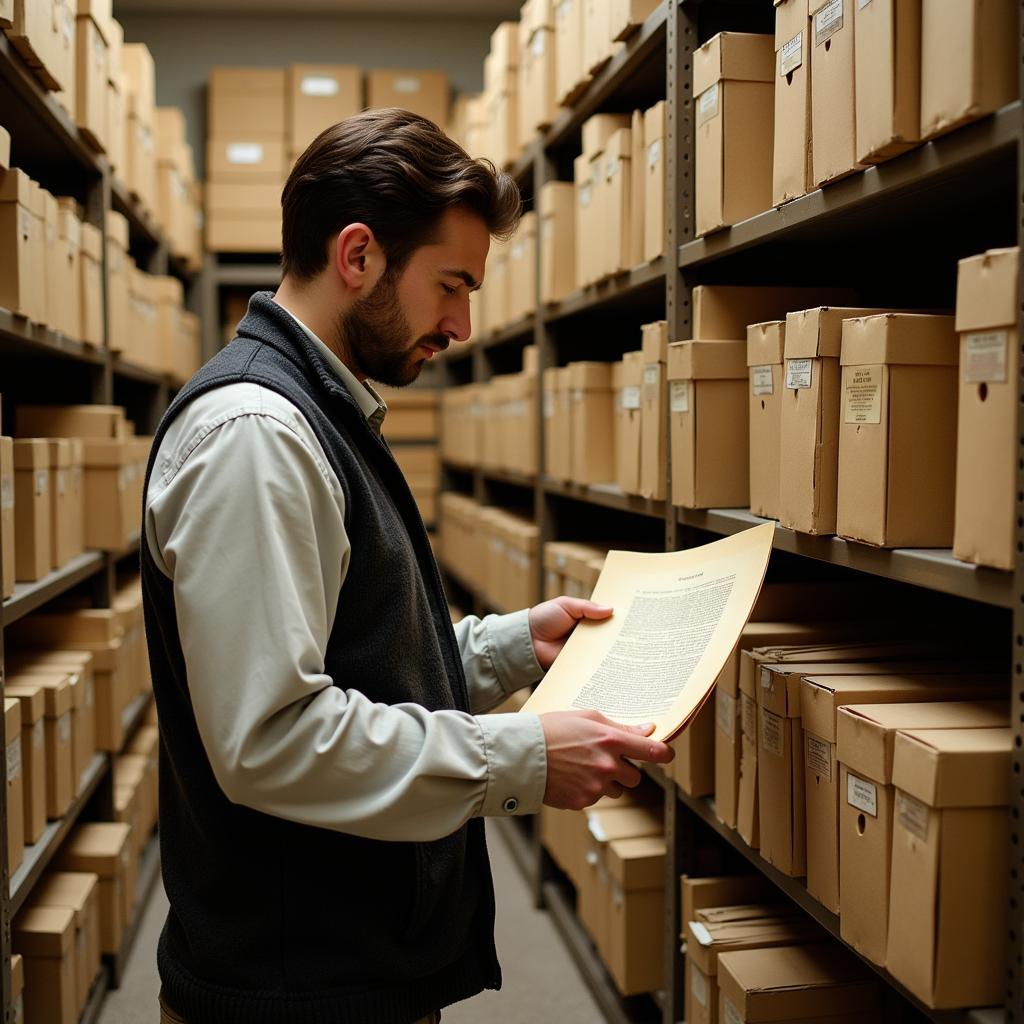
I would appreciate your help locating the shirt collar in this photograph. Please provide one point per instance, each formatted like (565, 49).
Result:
(370, 403)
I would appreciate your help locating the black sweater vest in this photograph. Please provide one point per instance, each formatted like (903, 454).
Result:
(272, 921)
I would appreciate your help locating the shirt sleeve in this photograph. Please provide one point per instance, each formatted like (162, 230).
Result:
(498, 656)
(249, 526)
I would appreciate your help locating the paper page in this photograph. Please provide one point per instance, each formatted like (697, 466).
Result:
(678, 616)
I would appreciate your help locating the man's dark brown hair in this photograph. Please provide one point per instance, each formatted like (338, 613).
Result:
(397, 173)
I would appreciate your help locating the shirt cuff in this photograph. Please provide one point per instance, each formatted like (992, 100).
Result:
(511, 647)
(517, 764)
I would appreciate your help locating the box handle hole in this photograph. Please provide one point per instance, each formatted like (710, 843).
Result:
(762, 403)
(982, 391)
(862, 823)
(828, 45)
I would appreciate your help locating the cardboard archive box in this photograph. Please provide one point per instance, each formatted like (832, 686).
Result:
(557, 423)
(318, 96)
(118, 304)
(21, 245)
(865, 739)
(253, 159)
(139, 77)
(765, 346)
(897, 438)
(92, 75)
(54, 270)
(968, 62)
(246, 101)
(243, 217)
(709, 440)
(821, 695)
(45, 938)
(598, 46)
(33, 758)
(61, 531)
(522, 269)
(79, 892)
(7, 514)
(584, 220)
(791, 160)
(887, 76)
(146, 744)
(654, 181)
(627, 16)
(986, 320)
(90, 329)
(571, 77)
(412, 414)
(66, 296)
(797, 983)
(557, 207)
(809, 478)
(629, 422)
(733, 99)
(32, 512)
(615, 202)
(636, 912)
(637, 200)
(103, 849)
(538, 84)
(950, 865)
(592, 402)
(15, 785)
(833, 105)
(653, 442)
(423, 92)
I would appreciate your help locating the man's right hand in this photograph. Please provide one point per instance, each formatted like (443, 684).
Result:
(586, 753)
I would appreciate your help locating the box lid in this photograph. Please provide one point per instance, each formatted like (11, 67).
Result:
(866, 733)
(638, 863)
(72, 889)
(100, 453)
(33, 701)
(12, 719)
(556, 197)
(597, 130)
(98, 846)
(790, 18)
(607, 824)
(58, 696)
(954, 767)
(819, 332)
(654, 343)
(707, 941)
(60, 452)
(117, 228)
(707, 360)
(44, 931)
(92, 241)
(739, 56)
(31, 453)
(167, 289)
(590, 376)
(900, 339)
(986, 290)
(245, 81)
(17, 975)
(811, 982)
(765, 343)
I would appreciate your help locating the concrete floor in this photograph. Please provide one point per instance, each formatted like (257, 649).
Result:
(542, 985)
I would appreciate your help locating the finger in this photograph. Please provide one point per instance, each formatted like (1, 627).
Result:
(579, 608)
(628, 775)
(614, 790)
(639, 749)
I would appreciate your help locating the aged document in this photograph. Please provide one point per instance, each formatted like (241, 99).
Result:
(677, 618)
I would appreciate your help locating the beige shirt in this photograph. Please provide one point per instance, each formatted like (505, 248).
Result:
(245, 515)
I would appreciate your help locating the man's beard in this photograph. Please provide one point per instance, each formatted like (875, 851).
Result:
(374, 336)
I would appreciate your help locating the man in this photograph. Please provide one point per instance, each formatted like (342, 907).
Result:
(324, 778)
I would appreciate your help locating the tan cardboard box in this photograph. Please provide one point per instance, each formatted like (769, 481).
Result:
(557, 208)
(45, 938)
(5, 149)
(15, 784)
(20, 245)
(238, 159)
(986, 319)
(797, 983)
(637, 202)
(93, 421)
(61, 529)
(66, 310)
(765, 346)
(833, 106)
(654, 181)
(693, 768)
(897, 437)
(865, 739)
(723, 312)
(597, 37)
(733, 86)
(33, 758)
(592, 402)
(748, 815)
(40, 208)
(887, 77)
(118, 302)
(320, 95)
(93, 74)
(32, 525)
(653, 442)
(139, 72)
(950, 865)
(7, 545)
(628, 422)
(522, 269)
(102, 848)
(244, 232)
(627, 16)
(58, 700)
(247, 101)
(810, 418)
(821, 694)
(571, 77)
(91, 286)
(412, 414)
(584, 221)
(423, 92)
(791, 162)
(727, 891)
(968, 62)
(117, 127)
(709, 434)
(636, 868)
(616, 201)
(53, 311)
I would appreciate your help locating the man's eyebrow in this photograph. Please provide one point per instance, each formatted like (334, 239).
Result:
(463, 275)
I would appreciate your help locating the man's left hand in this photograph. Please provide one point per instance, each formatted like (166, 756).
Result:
(553, 621)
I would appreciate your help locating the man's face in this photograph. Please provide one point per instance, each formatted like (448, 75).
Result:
(407, 318)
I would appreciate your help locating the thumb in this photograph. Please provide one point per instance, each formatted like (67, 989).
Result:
(591, 610)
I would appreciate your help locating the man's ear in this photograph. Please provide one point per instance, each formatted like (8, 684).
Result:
(358, 258)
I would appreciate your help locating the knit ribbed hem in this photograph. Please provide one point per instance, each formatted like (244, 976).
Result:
(200, 1002)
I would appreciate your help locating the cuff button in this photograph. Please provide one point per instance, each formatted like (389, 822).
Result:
(511, 805)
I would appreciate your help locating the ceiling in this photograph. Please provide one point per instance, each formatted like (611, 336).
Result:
(440, 8)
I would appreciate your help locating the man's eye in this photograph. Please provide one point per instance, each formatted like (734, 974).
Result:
(447, 290)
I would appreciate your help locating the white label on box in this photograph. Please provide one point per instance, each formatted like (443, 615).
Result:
(631, 397)
(6, 493)
(62, 482)
(408, 85)
(863, 395)
(651, 374)
(13, 761)
(819, 756)
(732, 1015)
(680, 396)
(42, 476)
(547, 230)
(245, 153)
(585, 190)
(549, 405)
(862, 794)
(761, 380)
(596, 828)
(725, 713)
(90, 694)
(613, 168)
(912, 814)
(538, 44)
(700, 933)
(654, 153)
(798, 373)
(707, 104)
(577, 395)
(791, 56)
(38, 734)
(699, 985)
(563, 10)
(773, 734)
(319, 85)
(748, 716)
(64, 728)
(69, 26)
(828, 21)
(985, 357)
(767, 680)
(517, 251)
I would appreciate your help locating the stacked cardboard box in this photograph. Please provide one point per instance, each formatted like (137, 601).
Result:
(461, 425)
(538, 103)
(424, 92)
(139, 172)
(43, 33)
(572, 568)
(319, 95)
(176, 186)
